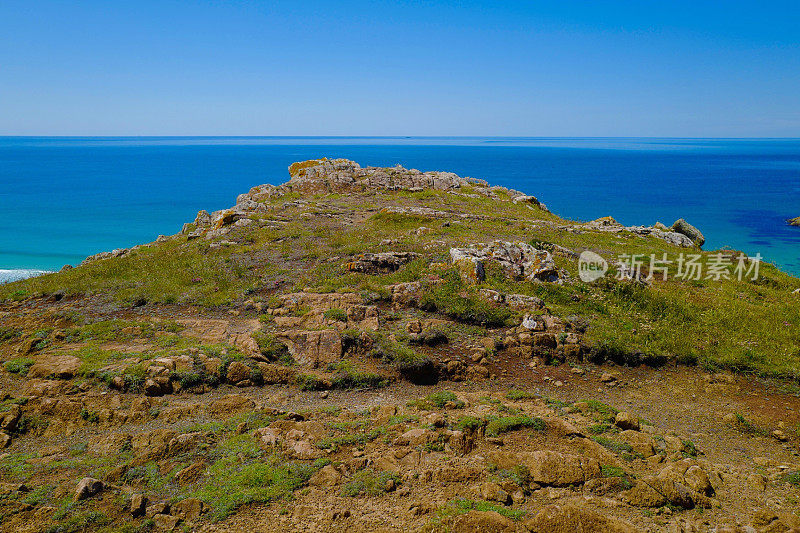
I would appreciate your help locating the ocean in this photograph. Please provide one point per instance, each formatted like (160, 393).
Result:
(64, 198)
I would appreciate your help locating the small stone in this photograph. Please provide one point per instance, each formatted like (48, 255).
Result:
(780, 435)
(625, 420)
(157, 508)
(138, 504)
(165, 521)
(88, 487)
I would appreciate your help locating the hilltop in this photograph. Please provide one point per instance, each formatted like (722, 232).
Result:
(426, 343)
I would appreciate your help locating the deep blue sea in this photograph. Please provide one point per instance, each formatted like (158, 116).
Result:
(62, 199)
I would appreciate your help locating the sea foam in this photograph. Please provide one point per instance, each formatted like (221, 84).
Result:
(17, 274)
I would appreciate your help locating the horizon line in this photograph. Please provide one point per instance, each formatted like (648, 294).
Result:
(533, 137)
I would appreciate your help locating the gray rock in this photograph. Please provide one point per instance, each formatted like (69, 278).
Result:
(380, 263)
(681, 226)
(519, 261)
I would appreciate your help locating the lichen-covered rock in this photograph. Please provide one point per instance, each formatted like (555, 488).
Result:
(380, 263)
(681, 226)
(518, 261)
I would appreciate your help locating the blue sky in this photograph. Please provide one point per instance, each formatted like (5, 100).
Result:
(685, 69)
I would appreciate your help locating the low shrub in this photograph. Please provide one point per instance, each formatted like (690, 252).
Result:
(19, 365)
(510, 423)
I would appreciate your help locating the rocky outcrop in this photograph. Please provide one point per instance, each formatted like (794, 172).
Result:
(518, 261)
(335, 174)
(658, 230)
(55, 366)
(683, 227)
(550, 468)
(380, 263)
(571, 518)
(313, 348)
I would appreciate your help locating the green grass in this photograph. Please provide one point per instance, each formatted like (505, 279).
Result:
(505, 424)
(119, 330)
(462, 506)
(7, 333)
(85, 521)
(368, 482)
(272, 348)
(469, 423)
(792, 478)
(518, 395)
(622, 448)
(438, 400)
(598, 429)
(163, 273)
(241, 473)
(748, 427)
(335, 314)
(347, 376)
(353, 438)
(230, 484)
(461, 302)
(19, 365)
(412, 365)
(600, 411)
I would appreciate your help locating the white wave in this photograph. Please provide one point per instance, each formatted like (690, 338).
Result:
(18, 274)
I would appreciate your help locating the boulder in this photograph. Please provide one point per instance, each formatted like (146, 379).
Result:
(682, 483)
(560, 470)
(230, 405)
(683, 227)
(492, 492)
(237, 371)
(304, 450)
(88, 487)
(55, 366)
(519, 261)
(326, 175)
(641, 443)
(625, 420)
(327, 476)
(313, 348)
(483, 522)
(166, 522)
(380, 263)
(406, 294)
(138, 505)
(273, 374)
(572, 518)
(188, 510)
(550, 468)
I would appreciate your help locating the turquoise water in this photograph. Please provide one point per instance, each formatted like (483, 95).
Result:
(62, 199)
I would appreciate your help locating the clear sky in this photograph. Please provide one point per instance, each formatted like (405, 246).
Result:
(556, 68)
